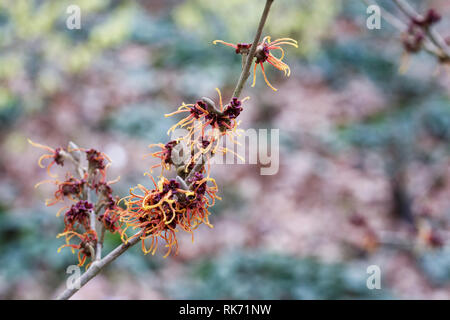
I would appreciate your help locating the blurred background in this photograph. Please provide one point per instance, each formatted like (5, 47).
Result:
(364, 173)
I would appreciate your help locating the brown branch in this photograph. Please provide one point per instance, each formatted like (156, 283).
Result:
(397, 23)
(98, 265)
(246, 70)
(432, 34)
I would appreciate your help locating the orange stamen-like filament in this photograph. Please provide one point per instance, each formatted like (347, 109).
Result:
(254, 75)
(225, 43)
(265, 78)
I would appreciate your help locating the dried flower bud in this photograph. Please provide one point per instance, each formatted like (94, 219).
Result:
(78, 213)
(413, 39)
(430, 18)
(96, 159)
(358, 220)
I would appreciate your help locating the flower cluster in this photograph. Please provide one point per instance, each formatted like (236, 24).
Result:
(182, 203)
(56, 156)
(80, 216)
(170, 205)
(204, 113)
(205, 124)
(85, 245)
(78, 213)
(165, 154)
(263, 54)
(70, 188)
(161, 211)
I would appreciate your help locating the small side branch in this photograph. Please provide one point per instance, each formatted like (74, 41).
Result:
(433, 43)
(434, 36)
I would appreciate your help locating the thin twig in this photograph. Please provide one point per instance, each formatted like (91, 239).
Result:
(397, 23)
(246, 70)
(432, 34)
(245, 73)
(97, 266)
(98, 250)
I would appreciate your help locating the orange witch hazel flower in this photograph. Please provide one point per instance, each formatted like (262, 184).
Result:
(165, 154)
(54, 154)
(80, 215)
(159, 211)
(263, 54)
(85, 247)
(204, 113)
(71, 189)
(205, 124)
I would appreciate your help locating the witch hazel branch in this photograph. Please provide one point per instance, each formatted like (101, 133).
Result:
(418, 32)
(153, 214)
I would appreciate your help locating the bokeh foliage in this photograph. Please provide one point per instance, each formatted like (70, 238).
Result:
(39, 51)
(40, 59)
(304, 20)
